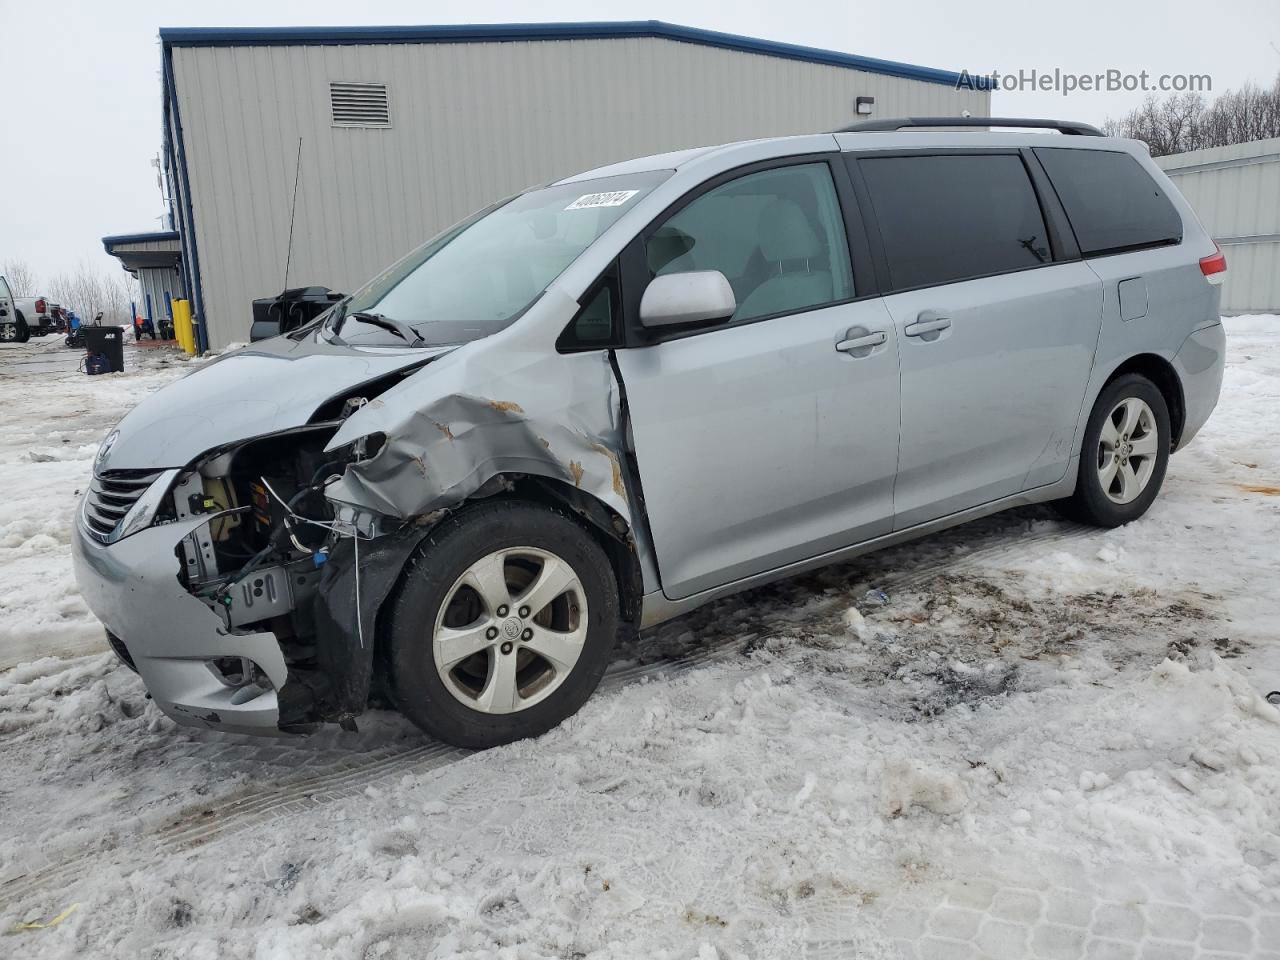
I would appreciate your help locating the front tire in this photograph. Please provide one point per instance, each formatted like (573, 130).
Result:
(1124, 455)
(503, 624)
(23, 333)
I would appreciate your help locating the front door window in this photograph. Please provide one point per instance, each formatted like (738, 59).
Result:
(777, 236)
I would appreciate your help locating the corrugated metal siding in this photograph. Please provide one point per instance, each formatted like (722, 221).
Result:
(146, 246)
(471, 123)
(1236, 192)
(162, 284)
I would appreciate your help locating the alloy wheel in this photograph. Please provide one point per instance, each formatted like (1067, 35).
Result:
(1128, 447)
(510, 630)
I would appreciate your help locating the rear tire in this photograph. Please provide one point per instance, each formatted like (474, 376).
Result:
(466, 662)
(1124, 454)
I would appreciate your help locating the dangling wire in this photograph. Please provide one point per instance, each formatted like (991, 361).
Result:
(335, 526)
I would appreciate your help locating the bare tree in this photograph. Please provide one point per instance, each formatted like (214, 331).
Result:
(1183, 122)
(22, 279)
(121, 294)
(88, 290)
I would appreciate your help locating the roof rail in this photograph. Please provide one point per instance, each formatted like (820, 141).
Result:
(1069, 127)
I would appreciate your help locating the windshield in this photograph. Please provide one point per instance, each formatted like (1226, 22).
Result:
(478, 276)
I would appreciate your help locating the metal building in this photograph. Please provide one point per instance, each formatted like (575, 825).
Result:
(393, 133)
(1236, 192)
(155, 259)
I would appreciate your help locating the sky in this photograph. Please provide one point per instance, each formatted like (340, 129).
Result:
(80, 81)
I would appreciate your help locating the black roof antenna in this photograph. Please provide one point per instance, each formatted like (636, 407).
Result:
(293, 209)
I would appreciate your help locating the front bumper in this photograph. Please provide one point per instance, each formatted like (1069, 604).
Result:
(132, 586)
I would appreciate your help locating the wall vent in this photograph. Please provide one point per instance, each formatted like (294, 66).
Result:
(359, 104)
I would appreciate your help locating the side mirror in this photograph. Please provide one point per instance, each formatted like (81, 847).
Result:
(678, 298)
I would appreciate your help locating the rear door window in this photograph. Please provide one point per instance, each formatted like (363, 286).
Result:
(1113, 204)
(954, 217)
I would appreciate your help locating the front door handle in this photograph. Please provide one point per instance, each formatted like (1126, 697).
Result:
(927, 322)
(864, 342)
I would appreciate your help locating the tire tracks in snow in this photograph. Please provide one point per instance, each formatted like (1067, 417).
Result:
(224, 819)
(29, 652)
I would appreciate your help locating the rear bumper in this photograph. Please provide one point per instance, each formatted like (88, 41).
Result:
(132, 587)
(1199, 364)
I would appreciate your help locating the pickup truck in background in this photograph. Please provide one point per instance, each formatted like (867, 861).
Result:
(28, 317)
(38, 313)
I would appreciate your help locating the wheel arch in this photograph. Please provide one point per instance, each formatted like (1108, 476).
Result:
(609, 529)
(1162, 373)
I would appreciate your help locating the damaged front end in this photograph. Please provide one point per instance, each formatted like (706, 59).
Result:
(208, 575)
(293, 542)
(271, 554)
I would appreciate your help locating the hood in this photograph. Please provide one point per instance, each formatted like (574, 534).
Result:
(274, 385)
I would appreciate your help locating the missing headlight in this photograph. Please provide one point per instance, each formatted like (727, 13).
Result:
(358, 451)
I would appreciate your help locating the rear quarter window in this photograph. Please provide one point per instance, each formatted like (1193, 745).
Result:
(1113, 204)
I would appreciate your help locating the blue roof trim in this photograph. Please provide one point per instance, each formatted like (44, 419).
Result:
(109, 242)
(499, 32)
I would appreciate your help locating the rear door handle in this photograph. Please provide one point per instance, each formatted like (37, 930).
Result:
(863, 342)
(928, 322)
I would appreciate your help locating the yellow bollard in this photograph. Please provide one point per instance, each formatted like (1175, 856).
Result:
(182, 326)
(179, 309)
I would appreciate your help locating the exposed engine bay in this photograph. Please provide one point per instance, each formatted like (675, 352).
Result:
(260, 560)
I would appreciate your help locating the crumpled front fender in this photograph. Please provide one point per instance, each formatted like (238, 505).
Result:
(506, 404)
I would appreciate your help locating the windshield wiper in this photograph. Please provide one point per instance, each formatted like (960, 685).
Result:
(398, 327)
(334, 323)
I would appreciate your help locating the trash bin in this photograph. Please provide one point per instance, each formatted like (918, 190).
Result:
(108, 341)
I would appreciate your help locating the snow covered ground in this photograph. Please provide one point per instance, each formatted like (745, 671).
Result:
(1019, 738)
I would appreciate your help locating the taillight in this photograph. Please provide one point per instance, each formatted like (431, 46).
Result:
(1214, 266)
(39, 306)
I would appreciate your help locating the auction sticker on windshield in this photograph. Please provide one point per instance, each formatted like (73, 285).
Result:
(614, 198)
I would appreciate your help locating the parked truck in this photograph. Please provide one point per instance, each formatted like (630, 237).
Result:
(38, 313)
(31, 316)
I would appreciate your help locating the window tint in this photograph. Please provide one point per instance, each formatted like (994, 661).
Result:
(777, 236)
(949, 218)
(1113, 204)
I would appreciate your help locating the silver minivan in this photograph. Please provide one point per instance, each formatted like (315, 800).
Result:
(596, 405)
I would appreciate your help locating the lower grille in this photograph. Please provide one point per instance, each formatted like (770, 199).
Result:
(111, 496)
